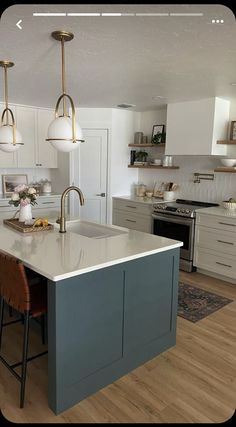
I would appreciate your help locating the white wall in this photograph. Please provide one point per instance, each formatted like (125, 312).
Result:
(223, 186)
(121, 178)
(150, 118)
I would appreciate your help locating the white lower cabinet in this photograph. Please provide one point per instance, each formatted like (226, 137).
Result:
(136, 216)
(215, 244)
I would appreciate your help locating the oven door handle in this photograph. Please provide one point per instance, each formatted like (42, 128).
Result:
(172, 218)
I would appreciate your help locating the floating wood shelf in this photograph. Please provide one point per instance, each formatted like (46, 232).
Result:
(148, 145)
(153, 167)
(225, 169)
(227, 142)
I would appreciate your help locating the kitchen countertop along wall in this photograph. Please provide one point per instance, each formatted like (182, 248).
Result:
(145, 200)
(4, 197)
(218, 211)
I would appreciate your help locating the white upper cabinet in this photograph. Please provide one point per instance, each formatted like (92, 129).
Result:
(32, 123)
(8, 160)
(193, 127)
(46, 154)
(26, 119)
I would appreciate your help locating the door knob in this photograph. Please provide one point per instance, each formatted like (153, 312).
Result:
(101, 194)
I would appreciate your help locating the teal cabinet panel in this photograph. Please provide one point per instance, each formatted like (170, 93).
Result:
(89, 323)
(105, 323)
(148, 300)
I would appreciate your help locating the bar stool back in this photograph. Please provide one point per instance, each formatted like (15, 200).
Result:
(26, 292)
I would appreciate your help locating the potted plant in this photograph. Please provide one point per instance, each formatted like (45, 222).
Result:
(158, 138)
(141, 156)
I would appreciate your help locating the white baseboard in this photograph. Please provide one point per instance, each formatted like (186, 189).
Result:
(217, 276)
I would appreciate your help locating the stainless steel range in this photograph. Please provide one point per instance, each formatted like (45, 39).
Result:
(176, 220)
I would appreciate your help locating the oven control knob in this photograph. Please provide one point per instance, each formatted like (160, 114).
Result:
(187, 211)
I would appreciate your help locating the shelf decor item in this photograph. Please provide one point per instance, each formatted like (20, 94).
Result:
(9, 182)
(63, 132)
(232, 135)
(24, 197)
(229, 204)
(138, 137)
(10, 137)
(158, 134)
(141, 156)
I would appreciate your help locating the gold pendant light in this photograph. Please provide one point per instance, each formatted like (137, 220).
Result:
(64, 133)
(10, 137)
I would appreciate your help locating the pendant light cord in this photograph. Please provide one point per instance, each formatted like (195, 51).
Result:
(63, 75)
(6, 92)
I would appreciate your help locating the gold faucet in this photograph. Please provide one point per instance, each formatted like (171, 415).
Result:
(62, 220)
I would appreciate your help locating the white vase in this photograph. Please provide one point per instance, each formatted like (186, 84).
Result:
(25, 213)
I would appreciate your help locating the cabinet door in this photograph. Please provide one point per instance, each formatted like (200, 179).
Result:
(149, 294)
(46, 154)
(8, 160)
(26, 120)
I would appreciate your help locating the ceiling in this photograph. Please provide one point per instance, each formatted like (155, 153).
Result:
(125, 59)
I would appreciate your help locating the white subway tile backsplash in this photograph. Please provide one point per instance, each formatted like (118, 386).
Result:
(221, 188)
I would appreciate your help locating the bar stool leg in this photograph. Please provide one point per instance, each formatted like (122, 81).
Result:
(24, 359)
(1, 318)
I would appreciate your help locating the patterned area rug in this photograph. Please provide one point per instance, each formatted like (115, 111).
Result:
(194, 303)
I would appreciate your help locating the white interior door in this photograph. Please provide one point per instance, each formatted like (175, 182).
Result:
(89, 173)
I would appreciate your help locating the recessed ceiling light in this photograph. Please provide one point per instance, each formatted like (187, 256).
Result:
(158, 97)
(126, 105)
(233, 84)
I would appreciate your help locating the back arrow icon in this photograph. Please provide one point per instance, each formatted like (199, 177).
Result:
(18, 24)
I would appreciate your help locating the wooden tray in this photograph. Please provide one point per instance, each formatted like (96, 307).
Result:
(20, 226)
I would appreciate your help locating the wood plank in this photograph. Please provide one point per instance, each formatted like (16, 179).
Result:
(153, 167)
(162, 144)
(227, 142)
(225, 169)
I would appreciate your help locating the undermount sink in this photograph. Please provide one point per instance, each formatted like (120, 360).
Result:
(89, 229)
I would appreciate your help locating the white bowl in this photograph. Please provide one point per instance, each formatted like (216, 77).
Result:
(229, 205)
(157, 161)
(228, 162)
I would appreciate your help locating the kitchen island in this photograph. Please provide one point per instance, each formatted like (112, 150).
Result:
(112, 304)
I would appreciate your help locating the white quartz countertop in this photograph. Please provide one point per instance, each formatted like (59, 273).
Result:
(58, 256)
(218, 210)
(4, 197)
(145, 200)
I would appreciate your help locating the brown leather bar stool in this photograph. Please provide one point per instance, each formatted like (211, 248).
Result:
(26, 292)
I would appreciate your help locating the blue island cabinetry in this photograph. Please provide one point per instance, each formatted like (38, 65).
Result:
(107, 322)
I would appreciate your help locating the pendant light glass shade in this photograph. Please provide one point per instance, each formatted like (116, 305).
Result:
(64, 133)
(6, 139)
(63, 126)
(10, 137)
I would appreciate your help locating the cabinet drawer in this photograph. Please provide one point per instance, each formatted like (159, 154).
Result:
(132, 207)
(5, 205)
(50, 202)
(218, 222)
(132, 221)
(221, 241)
(212, 261)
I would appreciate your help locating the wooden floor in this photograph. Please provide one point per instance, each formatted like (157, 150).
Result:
(194, 382)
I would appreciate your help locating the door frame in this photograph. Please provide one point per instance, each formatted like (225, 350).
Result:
(94, 126)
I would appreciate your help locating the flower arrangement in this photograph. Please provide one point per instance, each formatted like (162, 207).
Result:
(23, 196)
